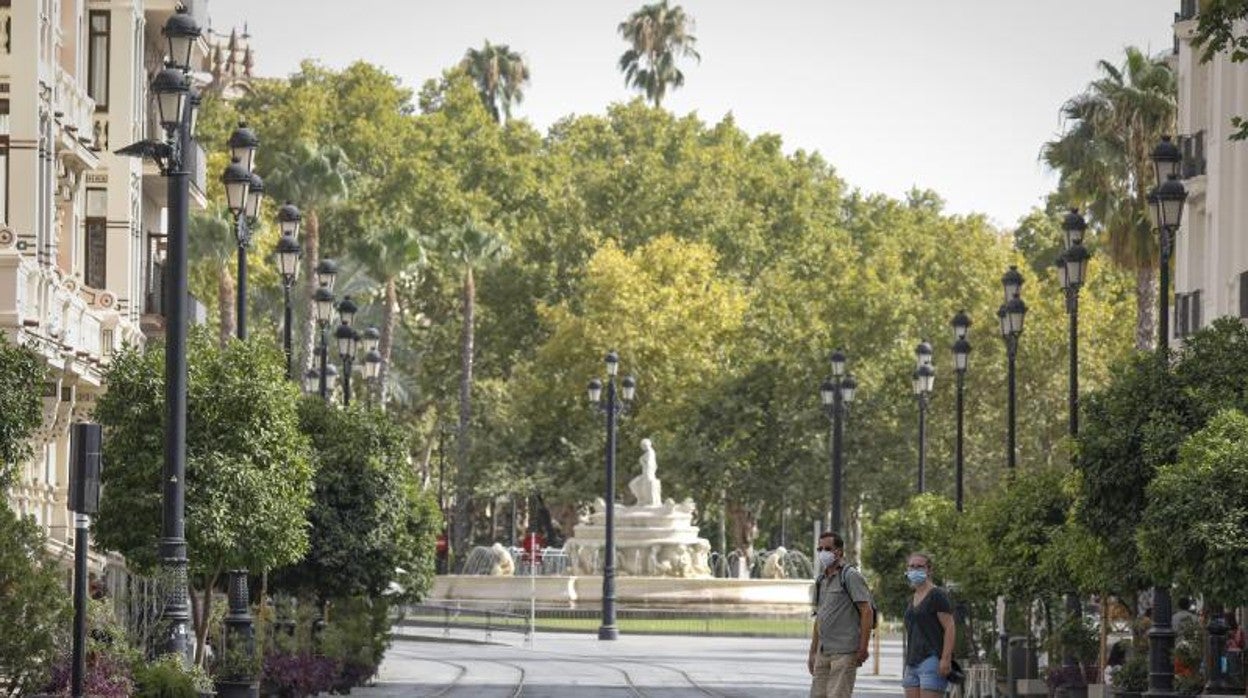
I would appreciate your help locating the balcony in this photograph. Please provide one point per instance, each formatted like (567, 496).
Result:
(1188, 9)
(75, 113)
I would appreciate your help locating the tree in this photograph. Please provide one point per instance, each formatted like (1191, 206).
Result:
(927, 523)
(658, 35)
(500, 75)
(247, 470)
(1104, 165)
(470, 248)
(1206, 490)
(21, 378)
(33, 603)
(369, 523)
(387, 255)
(313, 177)
(213, 243)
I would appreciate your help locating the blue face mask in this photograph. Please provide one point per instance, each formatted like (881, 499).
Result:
(916, 577)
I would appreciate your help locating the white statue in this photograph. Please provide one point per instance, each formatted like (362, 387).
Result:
(646, 487)
(773, 566)
(503, 565)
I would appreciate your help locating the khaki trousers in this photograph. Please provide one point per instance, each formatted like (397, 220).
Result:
(834, 675)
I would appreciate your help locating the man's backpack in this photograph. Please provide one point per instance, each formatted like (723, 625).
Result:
(875, 611)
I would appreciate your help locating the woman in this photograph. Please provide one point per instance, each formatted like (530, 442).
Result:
(929, 633)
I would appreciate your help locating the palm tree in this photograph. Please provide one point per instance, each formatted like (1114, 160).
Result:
(212, 242)
(1103, 160)
(471, 248)
(386, 255)
(312, 177)
(500, 74)
(658, 35)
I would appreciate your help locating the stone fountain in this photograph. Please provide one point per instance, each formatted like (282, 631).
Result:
(660, 562)
(653, 538)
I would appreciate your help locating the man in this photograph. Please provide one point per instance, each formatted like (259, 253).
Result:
(843, 618)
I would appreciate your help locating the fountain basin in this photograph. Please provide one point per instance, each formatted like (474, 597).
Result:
(757, 595)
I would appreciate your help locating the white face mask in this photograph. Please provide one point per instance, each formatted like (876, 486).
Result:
(826, 559)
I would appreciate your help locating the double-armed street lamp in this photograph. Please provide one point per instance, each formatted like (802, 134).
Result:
(612, 406)
(289, 253)
(922, 380)
(1166, 202)
(323, 303)
(1011, 315)
(961, 359)
(176, 105)
(348, 341)
(243, 192)
(837, 394)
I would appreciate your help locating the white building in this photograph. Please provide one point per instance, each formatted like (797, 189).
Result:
(1211, 253)
(81, 229)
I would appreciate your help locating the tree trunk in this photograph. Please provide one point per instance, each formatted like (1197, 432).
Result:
(389, 318)
(225, 304)
(311, 257)
(743, 527)
(462, 523)
(1146, 308)
(202, 618)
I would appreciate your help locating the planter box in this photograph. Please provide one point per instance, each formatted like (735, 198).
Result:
(1125, 694)
(1032, 687)
(1098, 690)
(237, 689)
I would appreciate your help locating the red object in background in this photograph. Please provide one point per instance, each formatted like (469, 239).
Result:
(533, 544)
(443, 544)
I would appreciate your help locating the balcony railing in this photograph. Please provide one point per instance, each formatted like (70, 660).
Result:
(76, 107)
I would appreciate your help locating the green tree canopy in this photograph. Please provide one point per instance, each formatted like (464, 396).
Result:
(927, 523)
(21, 384)
(1206, 490)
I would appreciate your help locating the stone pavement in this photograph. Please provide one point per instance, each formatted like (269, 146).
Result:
(562, 665)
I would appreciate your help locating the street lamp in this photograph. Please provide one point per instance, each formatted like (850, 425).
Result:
(323, 302)
(612, 407)
(1166, 208)
(176, 112)
(244, 190)
(1011, 315)
(288, 254)
(243, 145)
(347, 338)
(923, 378)
(836, 394)
(961, 358)
(372, 368)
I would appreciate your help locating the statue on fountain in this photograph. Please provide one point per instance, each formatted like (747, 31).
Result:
(646, 486)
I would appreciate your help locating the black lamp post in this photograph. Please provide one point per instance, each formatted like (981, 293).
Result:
(922, 379)
(288, 254)
(323, 301)
(961, 357)
(370, 338)
(243, 191)
(1166, 206)
(347, 339)
(172, 88)
(612, 407)
(1072, 267)
(836, 394)
(1011, 314)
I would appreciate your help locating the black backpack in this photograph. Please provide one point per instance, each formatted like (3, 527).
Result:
(875, 611)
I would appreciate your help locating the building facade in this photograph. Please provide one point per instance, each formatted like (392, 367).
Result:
(81, 228)
(1211, 251)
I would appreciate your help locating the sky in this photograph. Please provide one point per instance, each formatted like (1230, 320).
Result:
(956, 96)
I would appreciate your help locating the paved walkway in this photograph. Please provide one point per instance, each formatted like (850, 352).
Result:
(580, 666)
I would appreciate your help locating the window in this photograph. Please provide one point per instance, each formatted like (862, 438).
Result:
(97, 59)
(96, 257)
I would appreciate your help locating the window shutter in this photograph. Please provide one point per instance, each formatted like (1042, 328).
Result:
(1180, 315)
(1243, 294)
(1194, 311)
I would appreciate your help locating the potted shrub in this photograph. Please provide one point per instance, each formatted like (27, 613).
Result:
(169, 677)
(1131, 679)
(236, 674)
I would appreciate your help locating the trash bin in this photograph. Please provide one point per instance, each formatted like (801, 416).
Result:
(1020, 664)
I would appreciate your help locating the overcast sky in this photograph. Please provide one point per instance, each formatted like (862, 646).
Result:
(951, 95)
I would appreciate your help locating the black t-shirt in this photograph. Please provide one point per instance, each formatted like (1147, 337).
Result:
(922, 624)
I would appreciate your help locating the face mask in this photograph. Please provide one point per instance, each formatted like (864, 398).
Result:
(826, 558)
(916, 577)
